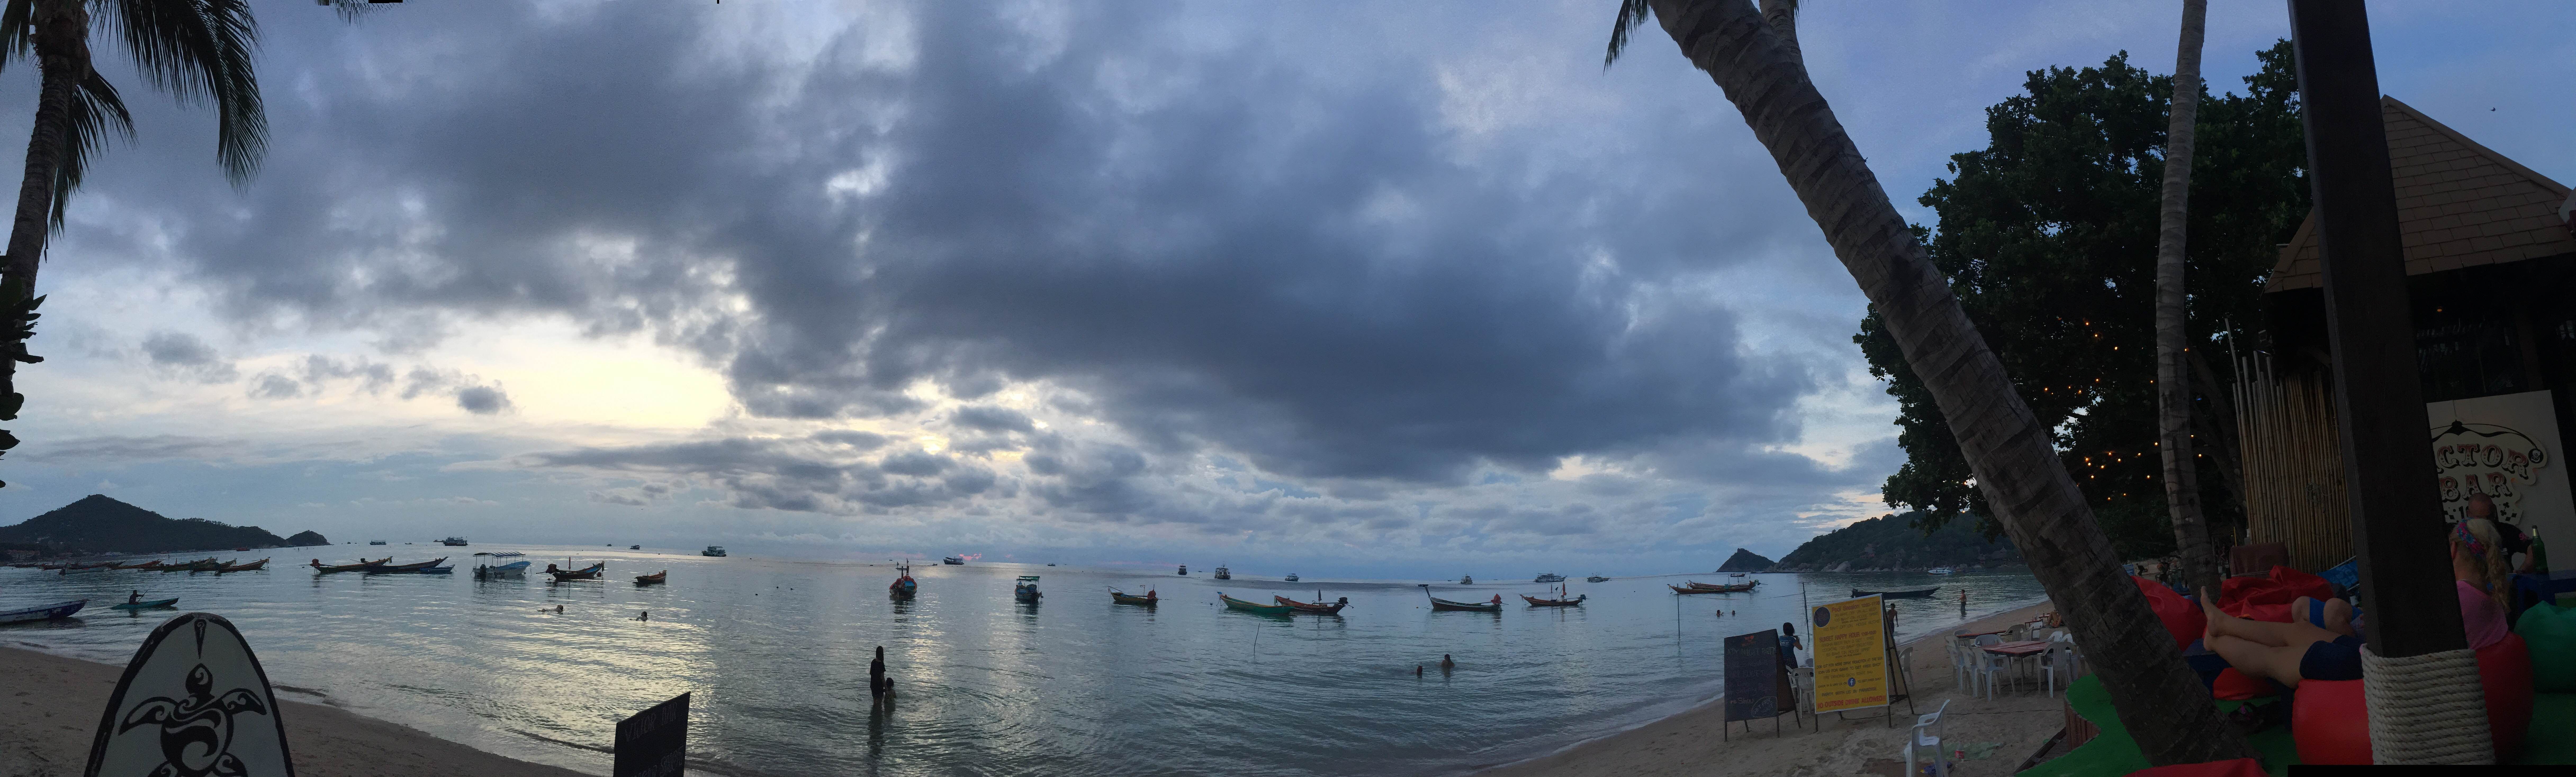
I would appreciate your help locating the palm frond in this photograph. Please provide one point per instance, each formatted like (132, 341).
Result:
(95, 110)
(1631, 14)
(17, 38)
(349, 10)
(202, 50)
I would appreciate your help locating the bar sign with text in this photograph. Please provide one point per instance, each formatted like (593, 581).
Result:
(655, 742)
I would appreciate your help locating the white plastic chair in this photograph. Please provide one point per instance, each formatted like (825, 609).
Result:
(1960, 672)
(2066, 652)
(1987, 664)
(1917, 740)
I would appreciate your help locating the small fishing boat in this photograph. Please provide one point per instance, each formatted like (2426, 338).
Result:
(903, 587)
(361, 566)
(1255, 608)
(953, 560)
(44, 612)
(1738, 574)
(1185, 569)
(1729, 588)
(1596, 579)
(445, 570)
(453, 541)
(503, 554)
(250, 567)
(585, 573)
(1027, 589)
(1559, 601)
(397, 569)
(1121, 597)
(1707, 590)
(1550, 577)
(1918, 593)
(1466, 579)
(653, 579)
(1316, 607)
(494, 571)
(375, 542)
(713, 550)
(1292, 577)
(200, 565)
(1222, 573)
(1940, 571)
(74, 570)
(634, 547)
(1439, 604)
(150, 605)
(153, 564)
(100, 565)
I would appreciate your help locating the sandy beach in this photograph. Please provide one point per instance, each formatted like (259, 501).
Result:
(2016, 723)
(52, 706)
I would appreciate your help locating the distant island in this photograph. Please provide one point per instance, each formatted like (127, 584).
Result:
(98, 524)
(307, 538)
(1887, 543)
(1745, 561)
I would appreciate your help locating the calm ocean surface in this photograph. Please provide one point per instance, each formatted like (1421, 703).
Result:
(777, 654)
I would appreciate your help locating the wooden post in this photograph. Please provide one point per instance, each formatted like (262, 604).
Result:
(2396, 509)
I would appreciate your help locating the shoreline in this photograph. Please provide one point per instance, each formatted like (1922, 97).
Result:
(47, 724)
(1828, 747)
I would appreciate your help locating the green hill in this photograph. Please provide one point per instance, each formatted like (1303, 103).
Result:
(1886, 542)
(97, 524)
(1745, 561)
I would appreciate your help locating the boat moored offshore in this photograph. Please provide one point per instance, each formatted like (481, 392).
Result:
(1549, 577)
(453, 541)
(713, 550)
(1223, 574)
(1027, 589)
(955, 560)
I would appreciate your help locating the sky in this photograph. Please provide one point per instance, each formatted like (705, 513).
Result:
(1382, 290)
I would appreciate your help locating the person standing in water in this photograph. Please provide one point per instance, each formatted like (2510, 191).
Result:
(876, 676)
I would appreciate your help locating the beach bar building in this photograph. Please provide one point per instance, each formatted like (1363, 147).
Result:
(2490, 252)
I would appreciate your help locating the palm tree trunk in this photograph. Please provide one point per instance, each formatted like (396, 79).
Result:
(2173, 370)
(2160, 702)
(61, 32)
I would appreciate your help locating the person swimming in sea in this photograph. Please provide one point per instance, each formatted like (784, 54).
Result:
(1447, 663)
(877, 675)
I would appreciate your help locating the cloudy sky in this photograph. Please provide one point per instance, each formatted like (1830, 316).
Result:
(1391, 290)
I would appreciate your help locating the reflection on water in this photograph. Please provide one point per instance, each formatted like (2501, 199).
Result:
(777, 653)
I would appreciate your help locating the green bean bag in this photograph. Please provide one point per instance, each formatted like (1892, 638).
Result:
(2551, 632)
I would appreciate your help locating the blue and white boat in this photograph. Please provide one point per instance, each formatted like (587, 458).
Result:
(45, 612)
(512, 569)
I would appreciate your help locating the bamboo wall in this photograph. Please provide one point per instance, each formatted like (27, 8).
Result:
(2293, 460)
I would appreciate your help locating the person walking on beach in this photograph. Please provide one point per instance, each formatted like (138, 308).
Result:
(876, 676)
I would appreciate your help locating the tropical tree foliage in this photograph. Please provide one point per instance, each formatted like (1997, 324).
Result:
(2048, 236)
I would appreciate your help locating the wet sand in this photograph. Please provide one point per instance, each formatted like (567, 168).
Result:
(1689, 743)
(49, 708)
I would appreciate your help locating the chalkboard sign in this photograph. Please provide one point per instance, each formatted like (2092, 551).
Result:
(1755, 682)
(654, 742)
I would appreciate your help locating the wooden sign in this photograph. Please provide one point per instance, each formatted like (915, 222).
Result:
(1851, 659)
(193, 702)
(1755, 681)
(655, 742)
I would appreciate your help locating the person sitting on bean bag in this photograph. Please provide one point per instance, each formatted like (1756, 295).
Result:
(2289, 652)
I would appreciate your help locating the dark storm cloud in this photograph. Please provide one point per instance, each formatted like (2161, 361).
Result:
(180, 354)
(112, 448)
(1217, 239)
(816, 473)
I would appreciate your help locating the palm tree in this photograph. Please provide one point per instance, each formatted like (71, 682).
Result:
(2159, 700)
(196, 50)
(2173, 372)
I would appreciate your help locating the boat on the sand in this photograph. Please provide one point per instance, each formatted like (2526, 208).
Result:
(1438, 604)
(361, 566)
(1255, 608)
(1121, 597)
(150, 605)
(1918, 593)
(44, 612)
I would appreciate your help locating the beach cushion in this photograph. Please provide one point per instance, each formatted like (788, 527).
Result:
(2233, 685)
(2241, 767)
(2550, 632)
(2181, 618)
(2268, 598)
(2332, 722)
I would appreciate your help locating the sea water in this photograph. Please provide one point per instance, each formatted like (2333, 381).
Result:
(776, 656)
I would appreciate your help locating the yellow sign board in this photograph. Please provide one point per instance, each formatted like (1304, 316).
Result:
(1850, 651)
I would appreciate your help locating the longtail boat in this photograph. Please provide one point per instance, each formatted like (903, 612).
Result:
(361, 566)
(1255, 608)
(151, 605)
(153, 564)
(1559, 601)
(1731, 588)
(1121, 597)
(1913, 594)
(77, 569)
(199, 565)
(44, 612)
(492, 571)
(1316, 607)
(396, 569)
(653, 579)
(903, 587)
(1685, 590)
(585, 573)
(250, 567)
(1438, 604)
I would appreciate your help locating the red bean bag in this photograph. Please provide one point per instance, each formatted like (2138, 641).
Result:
(2235, 686)
(2331, 721)
(2241, 767)
(2181, 617)
(2268, 598)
